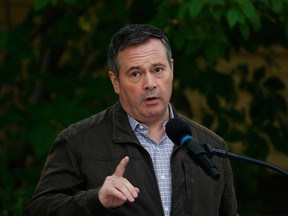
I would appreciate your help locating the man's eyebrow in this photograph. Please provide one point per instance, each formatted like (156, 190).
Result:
(139, 68)
(133, 68)
(158, 64)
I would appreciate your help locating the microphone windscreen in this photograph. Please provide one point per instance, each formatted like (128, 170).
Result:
(176, 129)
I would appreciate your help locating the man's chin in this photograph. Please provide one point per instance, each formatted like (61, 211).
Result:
(154, 114)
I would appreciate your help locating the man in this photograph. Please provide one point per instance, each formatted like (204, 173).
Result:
(120, 161)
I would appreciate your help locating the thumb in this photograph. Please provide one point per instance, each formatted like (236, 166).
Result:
(120, 169)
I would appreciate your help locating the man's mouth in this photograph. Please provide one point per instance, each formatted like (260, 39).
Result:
(151, 98)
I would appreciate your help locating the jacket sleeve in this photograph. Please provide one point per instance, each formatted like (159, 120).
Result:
(61, 189)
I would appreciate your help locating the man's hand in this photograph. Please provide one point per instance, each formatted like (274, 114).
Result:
(116, 190)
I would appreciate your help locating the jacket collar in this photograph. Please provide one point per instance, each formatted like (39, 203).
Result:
(122, 131)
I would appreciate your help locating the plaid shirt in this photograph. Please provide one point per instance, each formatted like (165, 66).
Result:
(160, 154)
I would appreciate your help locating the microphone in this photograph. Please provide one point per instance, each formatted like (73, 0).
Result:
(179, 133)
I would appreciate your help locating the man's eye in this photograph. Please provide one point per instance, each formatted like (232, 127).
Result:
(134, 74)
(158, 70)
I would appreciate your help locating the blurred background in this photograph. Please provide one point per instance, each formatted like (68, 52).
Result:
(231, 60)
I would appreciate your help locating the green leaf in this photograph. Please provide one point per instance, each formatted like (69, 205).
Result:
(40, 4)
(249, 10)
(215, 2)
(232, 17)
(195, 8)
(277, 6)
(217, 14)
(183, 10)
(244, 31)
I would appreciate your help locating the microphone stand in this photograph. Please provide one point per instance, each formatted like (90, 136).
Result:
(223, 153)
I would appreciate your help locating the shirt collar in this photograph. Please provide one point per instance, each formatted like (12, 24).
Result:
(134, 123)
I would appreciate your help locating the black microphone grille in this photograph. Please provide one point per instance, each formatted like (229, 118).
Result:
(176, 129)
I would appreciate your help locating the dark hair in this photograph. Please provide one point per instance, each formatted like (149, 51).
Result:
(131, 35)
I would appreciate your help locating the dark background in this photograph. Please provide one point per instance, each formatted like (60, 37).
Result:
(229, 76)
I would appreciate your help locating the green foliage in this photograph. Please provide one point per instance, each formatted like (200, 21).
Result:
(54, 72)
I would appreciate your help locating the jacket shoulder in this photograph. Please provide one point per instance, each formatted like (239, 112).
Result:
(202, 134)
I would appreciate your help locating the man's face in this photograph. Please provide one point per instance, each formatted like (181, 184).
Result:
(145, 81)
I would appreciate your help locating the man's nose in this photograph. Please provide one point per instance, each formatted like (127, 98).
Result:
(149, 81)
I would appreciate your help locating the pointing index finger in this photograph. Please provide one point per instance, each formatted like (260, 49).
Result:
(120, 169)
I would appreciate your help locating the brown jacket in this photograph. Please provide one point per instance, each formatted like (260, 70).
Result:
(88, 151)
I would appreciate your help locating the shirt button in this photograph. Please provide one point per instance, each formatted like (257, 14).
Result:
(166, 209)
(141, 127)
(162, 177)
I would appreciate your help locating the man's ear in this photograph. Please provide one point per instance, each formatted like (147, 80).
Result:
(172, 64)
(172, 67)
(114, 81)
